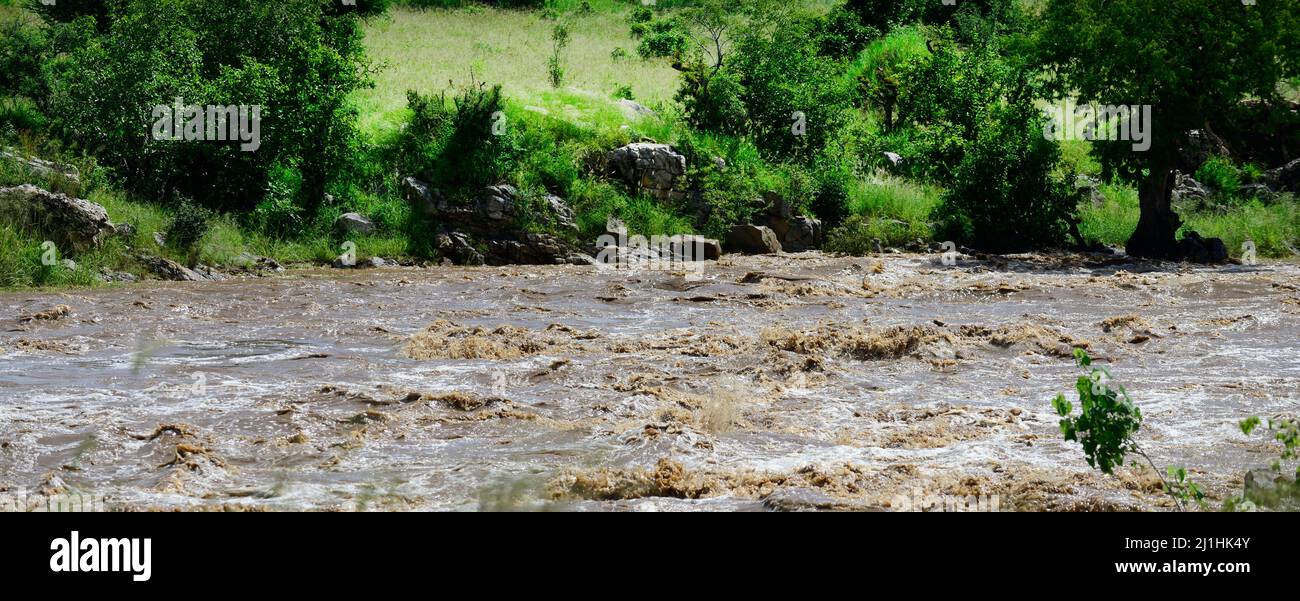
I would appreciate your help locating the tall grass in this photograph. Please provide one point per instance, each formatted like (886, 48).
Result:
(426, 50)
(887, 209)
(1273, 227)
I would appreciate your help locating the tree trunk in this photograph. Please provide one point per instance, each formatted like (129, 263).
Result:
(1158, 225)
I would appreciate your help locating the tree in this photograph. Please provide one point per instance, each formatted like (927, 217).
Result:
(1192, 61)
(290, 57)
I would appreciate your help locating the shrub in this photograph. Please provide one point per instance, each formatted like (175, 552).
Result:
(795, 98)
(277, 214)
(555, 64)
(841, 34)
(881, 66)
(1220, 174)
(1007, 195)
(459, 142)
(947, 100)
(23, 47)
(713, 102)
(291, 57)
(188, 226)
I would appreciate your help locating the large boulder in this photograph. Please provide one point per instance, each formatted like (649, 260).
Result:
(486, 231)
(532, 249)
(796, 233)
(803, 233)
(753, 240)
(1285, 178)
(354, 223)
(71, 223)
(690, 247)
(168, 269)
(458, 248)
(421, 196)
(633, 109)
(1188, 189)
(1199, 146)
(497, 204)
(648, 168)
(43, 168)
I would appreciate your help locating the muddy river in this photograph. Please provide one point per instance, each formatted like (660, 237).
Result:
(795, 382)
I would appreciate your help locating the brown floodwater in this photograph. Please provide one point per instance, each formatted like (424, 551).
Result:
(792, 382)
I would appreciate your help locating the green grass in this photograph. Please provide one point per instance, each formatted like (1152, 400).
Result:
(1275, 228)
(892, 210)
(425, 50)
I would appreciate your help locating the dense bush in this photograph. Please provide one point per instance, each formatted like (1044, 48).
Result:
(884, 15)
(1007, 195)
(842, 34)
(458, 142)
(946, 101)
(881, 67)
(795, 98)
(289, 58)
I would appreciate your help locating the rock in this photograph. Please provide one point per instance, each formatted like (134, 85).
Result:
(247, 261)
(634, 109)
(753, 239)
(69, 264)
(124, 230)
(695, 248)
(795, 233)
(1259, 191)
(458, 247)
(354, 223)
(561, 215)
(43, 168)
(1285, 178)
(117, 276)
(1196, 249)
(1186, 188)
(894, 158)
(497, 203)
(528, 249)
(420, 196)
(209, 273)
(488, 233)
(804, 233)
(777, 206)
(720, 163)
(160, 238)
(168, 269)
(653, 169)
(1090, 187)
(809, 499)
(615, 227)
(1199, 146)
(1272, 490)
(376, 262)
(71, 223)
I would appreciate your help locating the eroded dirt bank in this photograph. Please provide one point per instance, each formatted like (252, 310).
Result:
(795, 382)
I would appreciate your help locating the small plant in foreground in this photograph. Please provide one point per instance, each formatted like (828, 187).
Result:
(1107, 422)
(1283, 492)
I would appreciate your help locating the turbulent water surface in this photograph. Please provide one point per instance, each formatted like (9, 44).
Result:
(792, 382)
